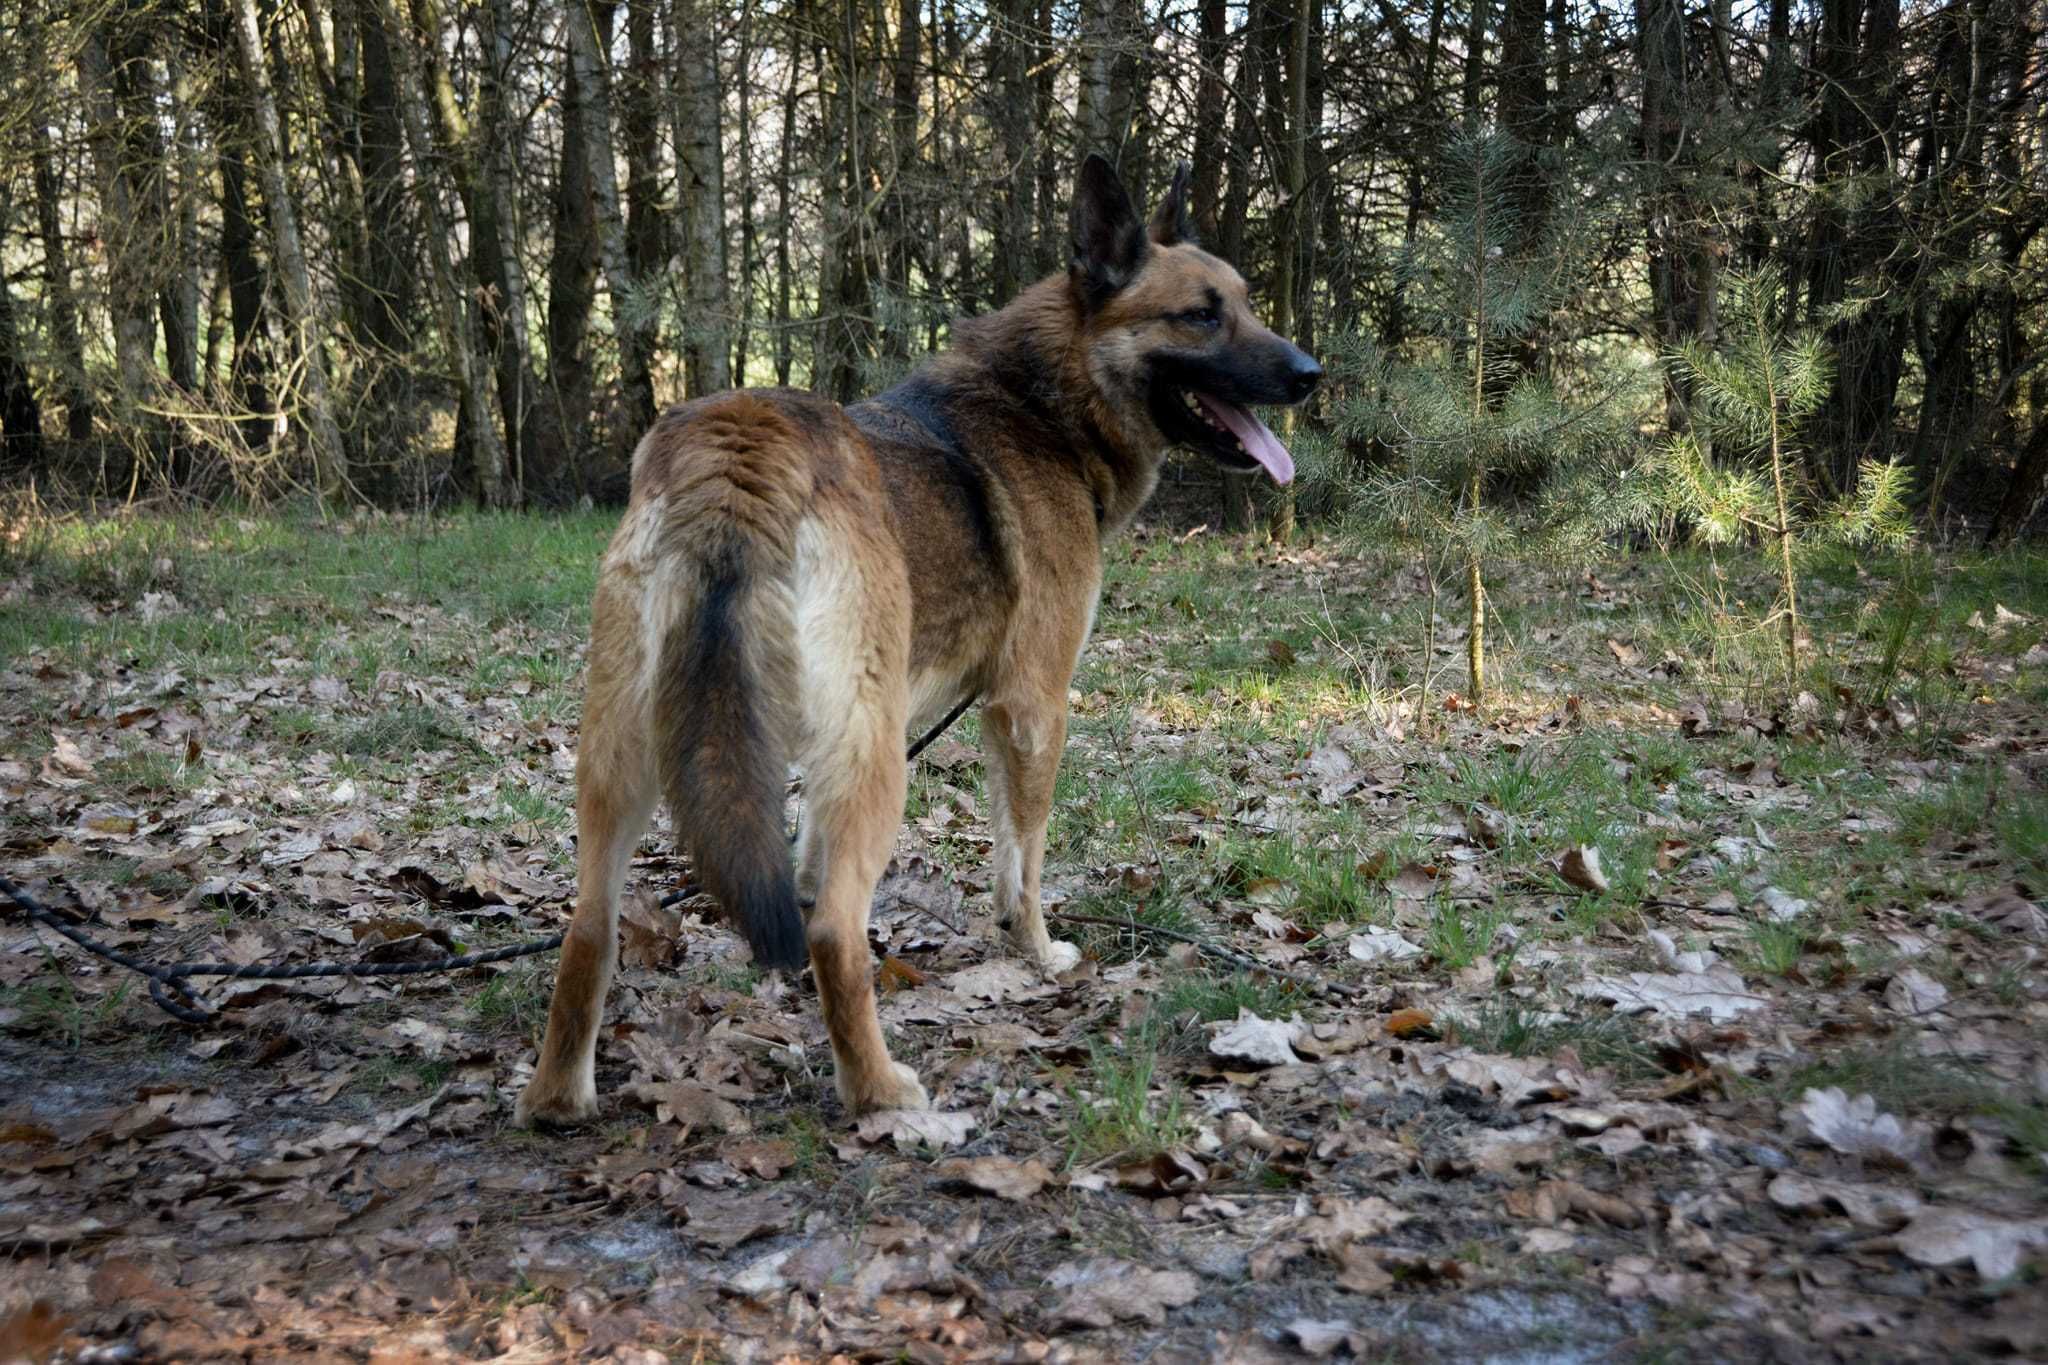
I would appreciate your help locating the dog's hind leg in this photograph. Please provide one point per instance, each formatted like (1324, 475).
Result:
(616, 790)
(853, 633)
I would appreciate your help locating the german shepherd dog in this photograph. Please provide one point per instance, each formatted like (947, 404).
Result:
(798, 580)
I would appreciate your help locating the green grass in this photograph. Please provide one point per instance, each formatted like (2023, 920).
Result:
(1615, 1041)
(1210, 998)
(1775, 946)
(52, 1008)
(147, 772)
(514, 1001)
(1460, 934)
(398, 732)
(1113, 1111)
(1160, 906)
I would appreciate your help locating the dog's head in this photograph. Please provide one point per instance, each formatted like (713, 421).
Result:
(1170, 330)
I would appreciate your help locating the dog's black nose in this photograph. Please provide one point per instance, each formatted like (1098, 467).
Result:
(1303, 376)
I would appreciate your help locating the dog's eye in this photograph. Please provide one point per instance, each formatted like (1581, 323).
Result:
(1201, 317)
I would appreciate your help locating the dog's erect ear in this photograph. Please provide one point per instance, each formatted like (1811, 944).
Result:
(1170, 225)
(1109, 241)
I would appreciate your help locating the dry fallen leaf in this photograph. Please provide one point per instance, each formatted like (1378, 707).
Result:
(1409, 1023)
(1878, 1207)
(1939, 1237)
(1912, 991)
(1382, 945)
(910, 1129)
(1103, 1292)
(1580, 867)
(691, 1105)
(1002, 1176)
(1719, 994)
(1855, 1127)
(1261, 1042)
(2005, 909)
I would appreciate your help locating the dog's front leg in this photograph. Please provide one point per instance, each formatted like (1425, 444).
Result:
(1024, 731)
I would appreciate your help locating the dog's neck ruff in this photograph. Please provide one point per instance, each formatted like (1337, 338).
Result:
(1032, 350)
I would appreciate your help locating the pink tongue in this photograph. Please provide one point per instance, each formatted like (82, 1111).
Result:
(1261, 443)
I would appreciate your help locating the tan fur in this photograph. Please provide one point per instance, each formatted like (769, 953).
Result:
(897, 556)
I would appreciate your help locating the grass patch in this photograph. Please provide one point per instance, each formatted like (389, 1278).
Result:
(146, 772)
(1212, 998)
(401, 731)
(1161, 906)
(1115, 1112)
(514, 1001)
(52, 1008)
(1461, 934)
(1511, 1027)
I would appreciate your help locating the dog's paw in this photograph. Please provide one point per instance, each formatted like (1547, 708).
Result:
(898, 1088)
(548, 1107)
(1058, 956)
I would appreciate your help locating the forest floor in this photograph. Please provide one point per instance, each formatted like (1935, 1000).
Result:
(1650, 1013)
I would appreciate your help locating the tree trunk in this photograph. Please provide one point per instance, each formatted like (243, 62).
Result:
(785, 173)
(79, 405)
(840, 338)
(1237, 510)
(485, 448)
(1426, 126)
(900, 225)
(1095, 52)
(1205, 181)
(179, 299)
(1052, 237)
(303, 321)
(700, 154)
(633, 317)
(242, 275)
(1280, 521)
(387, 297)
(743, 321)
(640, 99)
(130, 295)
(1009, 57)
(1475, 57)
(572, 296)
(1678, 258)
(497, 256)
(21, 420)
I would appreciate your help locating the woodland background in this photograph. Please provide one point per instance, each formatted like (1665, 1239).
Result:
(413, 252)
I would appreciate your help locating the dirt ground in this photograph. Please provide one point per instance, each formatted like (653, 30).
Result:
(1648, 1013)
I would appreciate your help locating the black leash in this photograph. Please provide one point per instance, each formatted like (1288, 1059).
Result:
(167, 980)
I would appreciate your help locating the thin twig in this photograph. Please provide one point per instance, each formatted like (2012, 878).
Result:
(1212, 948)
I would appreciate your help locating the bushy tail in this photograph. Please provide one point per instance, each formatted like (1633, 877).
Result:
(722, 724)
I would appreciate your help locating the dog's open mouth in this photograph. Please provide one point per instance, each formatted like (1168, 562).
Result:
(1241, 433)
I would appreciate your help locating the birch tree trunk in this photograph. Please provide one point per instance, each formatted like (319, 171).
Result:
(303, 322)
